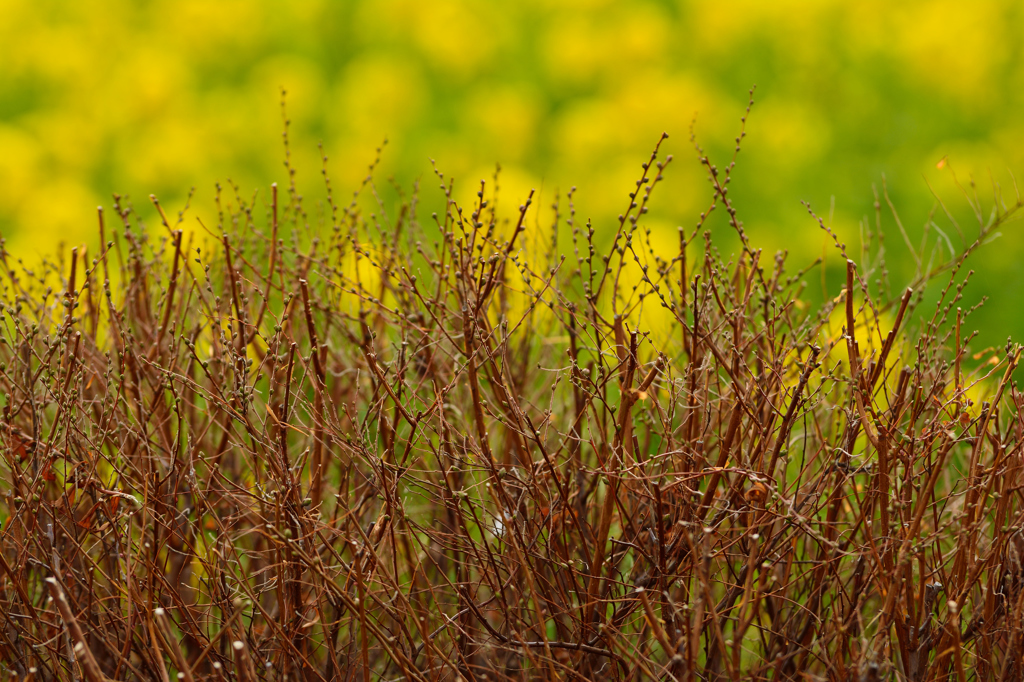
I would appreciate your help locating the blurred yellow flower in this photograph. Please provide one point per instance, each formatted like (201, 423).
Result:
(136, 97)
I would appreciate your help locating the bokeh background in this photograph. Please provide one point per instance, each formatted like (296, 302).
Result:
(158, 96)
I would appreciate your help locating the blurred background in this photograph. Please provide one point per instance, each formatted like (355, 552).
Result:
(154, 96)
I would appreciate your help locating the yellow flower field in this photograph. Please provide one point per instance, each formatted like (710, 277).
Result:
(158, 97)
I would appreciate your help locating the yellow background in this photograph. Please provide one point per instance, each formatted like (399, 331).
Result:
(160, 96)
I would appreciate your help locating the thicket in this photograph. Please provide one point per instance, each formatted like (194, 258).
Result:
(393, 448)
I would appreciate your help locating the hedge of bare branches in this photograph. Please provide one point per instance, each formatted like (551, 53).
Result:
(430, 449)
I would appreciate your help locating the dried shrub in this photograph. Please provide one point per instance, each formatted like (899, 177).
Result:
(342, 453)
